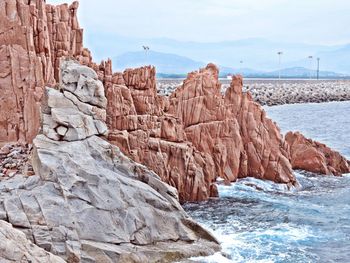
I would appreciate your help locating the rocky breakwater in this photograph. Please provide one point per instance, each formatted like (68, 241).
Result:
(299, 91)
(279, 92)
(309, 155)
(87, 202)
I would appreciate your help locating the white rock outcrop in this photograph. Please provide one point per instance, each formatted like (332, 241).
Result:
(78, 109)
(88, 202)
(15, 247)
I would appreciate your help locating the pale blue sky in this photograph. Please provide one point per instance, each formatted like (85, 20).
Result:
(308, 21)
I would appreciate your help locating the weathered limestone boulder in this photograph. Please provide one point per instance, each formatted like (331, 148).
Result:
(87, 202)
(15, 247)
(313, 156)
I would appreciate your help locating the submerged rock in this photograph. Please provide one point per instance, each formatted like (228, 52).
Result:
(90, 203)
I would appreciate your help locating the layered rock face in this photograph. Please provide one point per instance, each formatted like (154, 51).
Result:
(87, 201)
(34, 37)
(78, 110)
(231, 130)
(15, 247)
(143, 130)
(313, 156)
(197, 134)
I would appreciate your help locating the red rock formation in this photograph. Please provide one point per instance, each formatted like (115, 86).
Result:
(231, 130)
(313, 156)
(34, 36)
(142, 129)
(197, 134)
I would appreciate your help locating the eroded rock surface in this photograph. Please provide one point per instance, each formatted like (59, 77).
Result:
(196, 135)
(78, 109)
(189, 139)
(143, 130)
(87, 202)
(312, 156)
(34, 36)
(232, 130)
(15, 247)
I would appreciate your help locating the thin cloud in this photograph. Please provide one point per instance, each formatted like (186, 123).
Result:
(312, 21)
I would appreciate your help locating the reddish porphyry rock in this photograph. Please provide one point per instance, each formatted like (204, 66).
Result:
(141, 128)
(34, 36)
(231, 130)
(196, 135)
(313, 156)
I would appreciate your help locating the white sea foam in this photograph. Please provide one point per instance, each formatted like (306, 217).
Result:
(250, 184)
(249, 246)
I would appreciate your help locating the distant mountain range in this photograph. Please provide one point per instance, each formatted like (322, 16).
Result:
(301, 72)
(172, 65)
(338, 59)
(164, 62)
(255, 53)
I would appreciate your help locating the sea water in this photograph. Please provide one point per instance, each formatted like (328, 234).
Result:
(260, 221)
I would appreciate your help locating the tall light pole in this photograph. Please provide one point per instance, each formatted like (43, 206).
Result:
(310, 57)
(279, 53)
(241, 69)
(318, 68)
